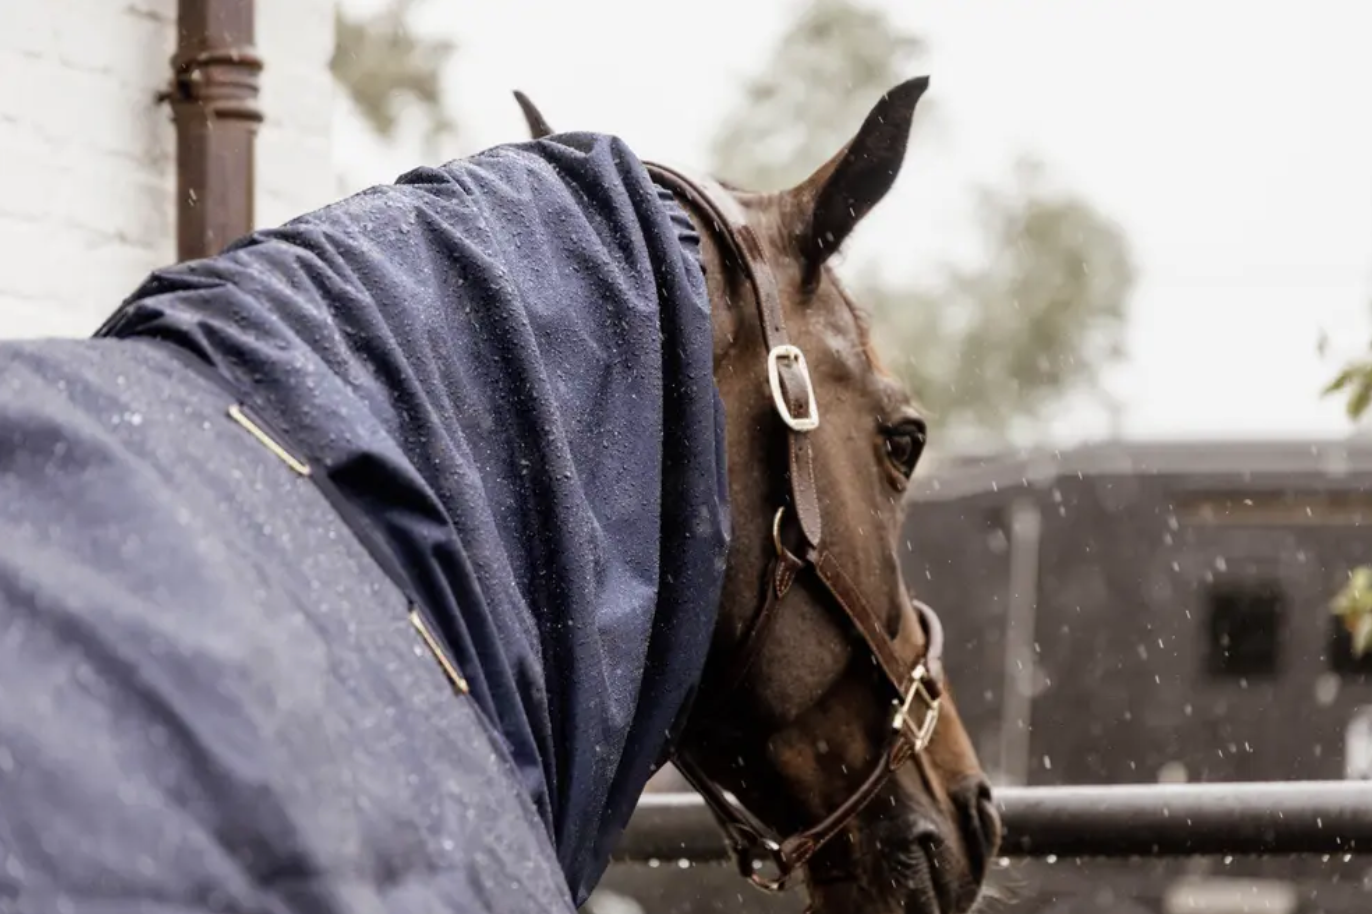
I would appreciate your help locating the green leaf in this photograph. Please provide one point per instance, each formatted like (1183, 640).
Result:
(1356, 596)
(1353, 604)
(1361, 396)
(1342, 379)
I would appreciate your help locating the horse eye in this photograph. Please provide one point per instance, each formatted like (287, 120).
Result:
(904, 445)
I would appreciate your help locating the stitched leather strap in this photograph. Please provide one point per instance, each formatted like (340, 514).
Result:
(732, 228)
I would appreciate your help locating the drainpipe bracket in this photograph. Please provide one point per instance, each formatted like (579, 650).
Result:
(220, 84)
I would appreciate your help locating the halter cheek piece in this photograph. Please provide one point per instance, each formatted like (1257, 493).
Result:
(916, 682)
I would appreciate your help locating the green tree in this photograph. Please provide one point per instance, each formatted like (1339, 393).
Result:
(384, 67)
(833, 61)
(990, 351)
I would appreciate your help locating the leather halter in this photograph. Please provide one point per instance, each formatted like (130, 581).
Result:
(912, 680)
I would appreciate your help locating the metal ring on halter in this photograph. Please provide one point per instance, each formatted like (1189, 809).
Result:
(751, 848)
(776, 530)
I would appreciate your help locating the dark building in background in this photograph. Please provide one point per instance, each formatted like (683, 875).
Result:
(1134, 613)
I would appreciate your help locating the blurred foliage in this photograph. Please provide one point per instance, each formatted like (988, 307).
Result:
(384, 66)
(996, 348)
(989, 350)
(1354, 605)
(833, 61)
(1354, 601)
(1355, 381)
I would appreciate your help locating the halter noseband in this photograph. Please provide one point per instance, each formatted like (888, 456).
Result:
(913, 680)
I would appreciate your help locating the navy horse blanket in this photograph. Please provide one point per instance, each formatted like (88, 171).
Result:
(370, 565)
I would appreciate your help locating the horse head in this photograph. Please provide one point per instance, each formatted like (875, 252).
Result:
(823, 711)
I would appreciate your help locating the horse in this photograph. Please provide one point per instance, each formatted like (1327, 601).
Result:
(799, 745)
(377, 562)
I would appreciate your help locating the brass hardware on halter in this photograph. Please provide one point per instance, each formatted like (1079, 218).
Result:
(925, 731)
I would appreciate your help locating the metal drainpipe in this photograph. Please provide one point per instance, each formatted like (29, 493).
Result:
(213, 97)
(1021, 623)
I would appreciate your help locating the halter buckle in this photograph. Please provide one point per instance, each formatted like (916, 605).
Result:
(808, 422)
(925, 731)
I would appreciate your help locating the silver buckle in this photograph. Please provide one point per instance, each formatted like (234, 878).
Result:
(810, 421)
(925, 731)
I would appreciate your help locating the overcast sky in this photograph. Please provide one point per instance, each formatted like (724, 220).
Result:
(1229, 138)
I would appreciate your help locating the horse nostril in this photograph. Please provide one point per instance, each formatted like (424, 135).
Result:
(981, 824)
(989, 819)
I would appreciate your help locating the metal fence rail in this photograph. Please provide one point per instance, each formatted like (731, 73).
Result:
(1144, 820)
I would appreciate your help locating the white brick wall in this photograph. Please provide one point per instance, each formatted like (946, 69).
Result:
(87, 157)
(295, 168)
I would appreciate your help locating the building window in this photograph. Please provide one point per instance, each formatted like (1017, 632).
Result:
(1341, 659)
(1245, 619)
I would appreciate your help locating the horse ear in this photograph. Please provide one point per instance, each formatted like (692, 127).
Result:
(835, 198)
(538, 127)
